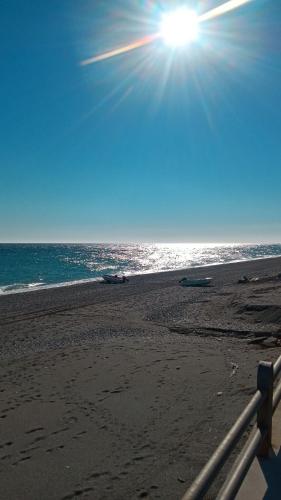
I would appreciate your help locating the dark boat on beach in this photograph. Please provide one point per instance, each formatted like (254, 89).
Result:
(114, 279)
(195, 281)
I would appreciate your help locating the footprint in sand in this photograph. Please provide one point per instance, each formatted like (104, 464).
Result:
(36, 429)
(23, 459)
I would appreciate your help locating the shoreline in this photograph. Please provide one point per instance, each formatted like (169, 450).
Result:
(32, 287)
(50, 310)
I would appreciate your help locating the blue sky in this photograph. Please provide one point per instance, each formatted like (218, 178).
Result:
(154, 145)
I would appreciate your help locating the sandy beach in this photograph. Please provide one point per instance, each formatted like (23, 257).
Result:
(123, 391)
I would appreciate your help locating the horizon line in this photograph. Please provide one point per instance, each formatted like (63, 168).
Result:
(140, 242)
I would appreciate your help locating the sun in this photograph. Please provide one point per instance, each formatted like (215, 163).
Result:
(179, 27)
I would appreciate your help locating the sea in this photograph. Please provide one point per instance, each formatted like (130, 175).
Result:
(27, 267)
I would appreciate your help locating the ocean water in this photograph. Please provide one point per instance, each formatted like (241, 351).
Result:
(26, 267)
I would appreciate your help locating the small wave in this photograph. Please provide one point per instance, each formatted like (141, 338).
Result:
(20, 287)
(32, 287)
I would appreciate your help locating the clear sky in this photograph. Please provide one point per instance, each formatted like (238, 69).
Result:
(154, 145)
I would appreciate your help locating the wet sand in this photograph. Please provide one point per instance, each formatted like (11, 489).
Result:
(124, 391)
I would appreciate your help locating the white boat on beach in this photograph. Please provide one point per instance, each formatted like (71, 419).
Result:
(114, 279)
(195, 281)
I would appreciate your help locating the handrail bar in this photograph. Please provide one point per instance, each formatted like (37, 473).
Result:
(276, 396)
(242, 465)
(211, 469)
(277, 368)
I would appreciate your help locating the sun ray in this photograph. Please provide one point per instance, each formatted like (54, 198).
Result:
(222, 9)
(121, 50)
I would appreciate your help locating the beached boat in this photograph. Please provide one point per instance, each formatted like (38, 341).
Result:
(195, 281)
(114, 279)
(245, 279)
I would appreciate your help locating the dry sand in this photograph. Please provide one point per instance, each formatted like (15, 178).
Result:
(111, 391)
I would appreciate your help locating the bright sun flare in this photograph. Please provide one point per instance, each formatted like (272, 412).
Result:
(179, 27)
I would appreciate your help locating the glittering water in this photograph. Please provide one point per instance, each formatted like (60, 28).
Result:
(30, 266)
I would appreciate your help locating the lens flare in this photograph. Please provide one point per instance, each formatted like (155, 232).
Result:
(121, 50)
(177, 28)
(223, 9)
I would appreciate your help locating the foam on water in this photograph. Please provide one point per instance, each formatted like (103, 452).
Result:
(27, 267)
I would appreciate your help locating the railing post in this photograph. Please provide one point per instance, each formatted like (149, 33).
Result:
(264, 416)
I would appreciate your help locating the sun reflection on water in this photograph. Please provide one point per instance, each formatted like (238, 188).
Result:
(53, 264)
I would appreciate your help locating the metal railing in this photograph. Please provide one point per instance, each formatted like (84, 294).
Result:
(262, 404)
